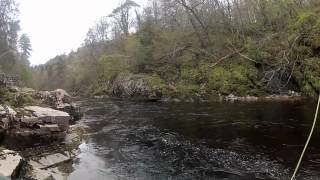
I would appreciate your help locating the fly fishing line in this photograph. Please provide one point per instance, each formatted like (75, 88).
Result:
(308, 141)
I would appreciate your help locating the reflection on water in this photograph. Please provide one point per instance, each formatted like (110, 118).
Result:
(135, 140)
(90, 166)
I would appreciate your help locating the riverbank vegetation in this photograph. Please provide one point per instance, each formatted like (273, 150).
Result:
(187, 48)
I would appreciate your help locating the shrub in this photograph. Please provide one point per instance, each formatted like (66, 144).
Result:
(240, 79)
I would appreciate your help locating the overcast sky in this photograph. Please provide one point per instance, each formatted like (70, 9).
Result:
(58, 26)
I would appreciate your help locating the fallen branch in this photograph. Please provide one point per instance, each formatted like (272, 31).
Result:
(242, 55)
(223, 58)
(175, 53)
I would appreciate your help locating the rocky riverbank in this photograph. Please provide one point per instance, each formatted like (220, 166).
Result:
(40, 133)
(152, 88)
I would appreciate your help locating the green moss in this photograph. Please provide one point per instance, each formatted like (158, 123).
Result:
(14, 99)
(23, 100)
(6, 97)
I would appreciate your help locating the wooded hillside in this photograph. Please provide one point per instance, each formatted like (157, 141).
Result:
(186, 48)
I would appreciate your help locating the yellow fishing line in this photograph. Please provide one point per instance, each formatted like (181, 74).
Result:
(308, 141)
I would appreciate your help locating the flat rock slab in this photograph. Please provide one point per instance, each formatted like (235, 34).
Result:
(49, 115)
(51, 160)
(54, 174)
(9, 163)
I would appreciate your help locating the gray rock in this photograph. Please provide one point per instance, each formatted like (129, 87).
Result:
(176, 100)
(4, 123)
(51, 116)
(2, 111)
(52, 174)
(20, 138)
(72, 109)
(56, 98)
(12, 112)
(7, 110)
(30, 122)
(10, 163)
(50, 127)
(51, 160)
(133, 86)
(231, 97)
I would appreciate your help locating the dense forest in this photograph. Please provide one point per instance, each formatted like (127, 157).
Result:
(194, 48)
(15, 48)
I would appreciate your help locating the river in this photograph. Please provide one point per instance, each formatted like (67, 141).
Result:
(240, 141)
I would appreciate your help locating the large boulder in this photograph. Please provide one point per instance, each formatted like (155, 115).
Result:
(128, 85)
(7, 115)
(50, 116)
(54, 98)
(10, 164)
(60, 100)
(73, 110)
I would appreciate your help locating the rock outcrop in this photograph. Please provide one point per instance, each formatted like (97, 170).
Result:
(134, 86)
(42, 129)
(54, 98)
(48, 116)
(60, 100)
(37, 125)
(33, 125)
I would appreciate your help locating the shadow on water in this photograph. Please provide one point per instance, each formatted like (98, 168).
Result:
(135, 140)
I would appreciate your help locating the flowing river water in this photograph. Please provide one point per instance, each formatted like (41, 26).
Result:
(236, 141)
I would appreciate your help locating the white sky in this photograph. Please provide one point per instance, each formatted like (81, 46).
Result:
(58, 26)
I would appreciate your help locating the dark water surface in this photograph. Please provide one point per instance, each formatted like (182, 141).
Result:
(240, 141)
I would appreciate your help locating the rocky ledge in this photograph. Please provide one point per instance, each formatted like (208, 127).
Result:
(42, 136)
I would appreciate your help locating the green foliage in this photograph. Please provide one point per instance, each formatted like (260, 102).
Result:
(155, 82)
(307, 24)
(256, 52)
(185, 91)
(6, 97)
(111, 66)
(239, 79)
(23, 100)
(191, 75)
(309, 77)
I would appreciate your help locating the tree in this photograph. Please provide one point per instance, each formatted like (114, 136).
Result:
(25, 46)
(9, 27)
(98, 33)
(196, 21)
(122, 17)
